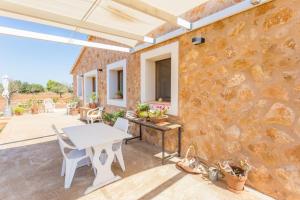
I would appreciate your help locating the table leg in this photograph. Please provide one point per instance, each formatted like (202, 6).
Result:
(163, 147)
(104, 175)
(179, 141)
(141, 134)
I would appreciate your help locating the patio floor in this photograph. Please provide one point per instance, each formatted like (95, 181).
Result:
(30, 163)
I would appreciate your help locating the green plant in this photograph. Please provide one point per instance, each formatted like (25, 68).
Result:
(111, 118)
(93, 97)
(143, 107)
(19, 110)
(120, 94)
(55, 99)
(74, 99)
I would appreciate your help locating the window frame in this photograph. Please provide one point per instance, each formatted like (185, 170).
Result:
(79, 80)
(148, 74)
(119, 65)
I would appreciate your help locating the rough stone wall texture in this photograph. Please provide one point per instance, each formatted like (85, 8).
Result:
(239, 94)
(92, 58)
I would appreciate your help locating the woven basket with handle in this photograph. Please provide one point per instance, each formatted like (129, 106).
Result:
(191, 163)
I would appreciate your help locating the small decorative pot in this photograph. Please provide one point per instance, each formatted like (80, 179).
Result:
(92, 105)
(213, 174)
(235, 183)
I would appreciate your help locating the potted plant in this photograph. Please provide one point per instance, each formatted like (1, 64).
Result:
(73, 105)
(119, 95)
(34, 107)
(111, 118)
(235, 175)
(19, 110)
(142, 110)
(93, 99)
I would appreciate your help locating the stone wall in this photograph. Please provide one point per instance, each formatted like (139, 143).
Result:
(239, 93)
(92, 58)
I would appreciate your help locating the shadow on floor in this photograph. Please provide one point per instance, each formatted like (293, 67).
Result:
(33, 171)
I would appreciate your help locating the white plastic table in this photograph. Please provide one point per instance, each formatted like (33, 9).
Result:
(100, 137)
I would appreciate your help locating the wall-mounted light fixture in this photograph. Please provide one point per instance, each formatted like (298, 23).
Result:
(100, 70)
(198, 40)
(255, 2)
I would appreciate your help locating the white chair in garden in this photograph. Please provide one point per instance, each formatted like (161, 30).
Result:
(72, 160)
(94, 115)
(49, 105)
(121, 124)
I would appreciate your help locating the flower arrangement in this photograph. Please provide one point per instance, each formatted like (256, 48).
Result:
(154, 112)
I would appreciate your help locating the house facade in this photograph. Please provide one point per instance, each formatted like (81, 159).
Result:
(237, 95)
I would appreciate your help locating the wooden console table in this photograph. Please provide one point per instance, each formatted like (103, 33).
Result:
(162, 127)
(83, 113)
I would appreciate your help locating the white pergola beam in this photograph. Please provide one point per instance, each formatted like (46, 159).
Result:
(70, 23)
(154, 12)
(54, 38)
(227, 12)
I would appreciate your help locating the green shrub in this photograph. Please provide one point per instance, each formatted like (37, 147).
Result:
(111, 118)
(19, 110)
(55, 99)
(143, 107)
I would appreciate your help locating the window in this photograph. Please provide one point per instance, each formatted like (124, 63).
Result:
(120, 81)
(163, 80)
(116, 83)
(79, 86)
(159, 76)
(94, 84)
(90, 85)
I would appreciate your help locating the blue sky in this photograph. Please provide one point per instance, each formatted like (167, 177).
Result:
(37, 61)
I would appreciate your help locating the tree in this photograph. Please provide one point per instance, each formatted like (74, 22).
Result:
(14, 86)
(59, 88)
(36, 88)
(25, 88)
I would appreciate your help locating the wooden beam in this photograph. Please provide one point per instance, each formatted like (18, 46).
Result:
(71, 23)
(148, 9)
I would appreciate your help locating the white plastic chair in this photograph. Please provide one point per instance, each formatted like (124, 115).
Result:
(49, 105)
(121, 124)
(94, 115)
(72, 160)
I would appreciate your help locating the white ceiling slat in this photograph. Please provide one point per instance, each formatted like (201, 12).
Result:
(175, 7)
(103, 18)
(60, 39)
(45, 16)
(111, 14)
(148, 9)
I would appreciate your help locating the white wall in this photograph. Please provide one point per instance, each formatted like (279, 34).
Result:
(88, 85)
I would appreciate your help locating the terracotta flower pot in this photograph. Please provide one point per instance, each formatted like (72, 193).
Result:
(34, 110)
(235, 183)
(92, 105)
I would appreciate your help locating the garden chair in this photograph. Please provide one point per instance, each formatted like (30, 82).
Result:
(72, 160)
(121, 124)
(71, 106)
(94, 115)
(49, 105)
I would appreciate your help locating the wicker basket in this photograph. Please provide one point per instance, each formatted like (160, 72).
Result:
(189, 167)
(158, 119)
